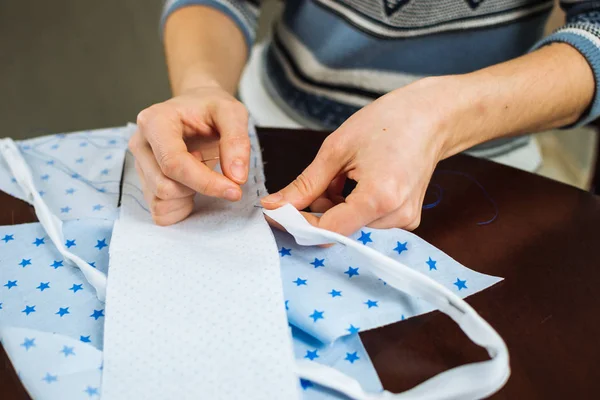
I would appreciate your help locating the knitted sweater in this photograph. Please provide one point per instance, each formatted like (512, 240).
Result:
(328, 58)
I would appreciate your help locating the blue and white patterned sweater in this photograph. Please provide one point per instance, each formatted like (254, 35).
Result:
(328, 58)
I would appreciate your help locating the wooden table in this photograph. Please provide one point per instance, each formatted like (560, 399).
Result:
(545, 241)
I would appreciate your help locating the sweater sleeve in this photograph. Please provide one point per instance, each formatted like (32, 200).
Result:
(244, 13)
(582, 31)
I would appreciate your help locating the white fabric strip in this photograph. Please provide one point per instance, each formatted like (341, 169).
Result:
(51, 223)
(471, 381)
(196, 310)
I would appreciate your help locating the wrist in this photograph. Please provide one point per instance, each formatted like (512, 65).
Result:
(451, 110)
(194, 78)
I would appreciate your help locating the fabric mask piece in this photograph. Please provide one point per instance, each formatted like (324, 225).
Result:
(39, 290)
(347, 354)
(330, 292)
(471, 381)
(77, 174)
(202, 297)
(53, 366)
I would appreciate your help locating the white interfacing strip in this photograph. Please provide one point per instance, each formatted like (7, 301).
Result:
(50, 222)
(471, 381)
(196, 310)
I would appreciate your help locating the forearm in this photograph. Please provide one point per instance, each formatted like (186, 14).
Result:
(203, 47)
(548, 88)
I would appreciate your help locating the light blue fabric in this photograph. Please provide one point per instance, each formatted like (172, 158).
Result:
(330, 294)
(77, 174)
(46, 305)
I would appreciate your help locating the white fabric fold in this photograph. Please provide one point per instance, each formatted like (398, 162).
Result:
(471, 381)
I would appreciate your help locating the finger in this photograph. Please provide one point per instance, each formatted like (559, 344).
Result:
(155, 181)
(311, 183)
(231, 121)
(367, 203)
(164, 134)
(165, 212)
(407, 216)
(321, 205)
(335, 189)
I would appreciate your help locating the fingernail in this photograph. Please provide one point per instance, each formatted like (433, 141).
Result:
(238, 170)
(273, 198)
(231, 195)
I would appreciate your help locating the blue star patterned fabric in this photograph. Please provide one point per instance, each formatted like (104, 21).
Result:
(49, 294)
(78, 174)
(51, 323)
(341, 296)
(337, 355)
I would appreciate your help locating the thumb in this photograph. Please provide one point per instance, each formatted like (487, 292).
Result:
(309, 185)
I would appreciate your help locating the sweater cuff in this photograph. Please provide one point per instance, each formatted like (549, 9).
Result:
(244, 17)
(585, 38)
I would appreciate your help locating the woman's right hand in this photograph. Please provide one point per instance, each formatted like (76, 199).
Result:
(176, 136)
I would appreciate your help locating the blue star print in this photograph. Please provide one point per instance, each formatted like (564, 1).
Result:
(65, 210)
(91, 391)
(93, 264)
(75, 288)
(29, 309)
(365, 237)
(85, 339)
(75, 176)
(311, 355)
(285, 252)
(43, 286)
(79, 160)
(431, 264)
(351, 357)
(300, 282)
(38, 242)
(371, 303)
(460, 284)
(11, 284)
(70, 243)
(318, 263)
(83, 144)
(25, 262)
(97, 207)
(42, 193)
(335, 293)
(57, 264)
(97, 314)
(400, 247)
(108, 157)
(112, 141)
(28, 343)
(8, 238)
(104, 172)
(305, 384)
(45, 177)
(101, 244)
(70, 191)
(50, 378)
(352, 272)
(67, 351)
(62, 311)
(50, 162)
(317, 315)
(54, 147)
(353, 329)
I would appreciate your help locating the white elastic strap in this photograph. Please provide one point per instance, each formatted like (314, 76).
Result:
(471, 381)
(50, 222)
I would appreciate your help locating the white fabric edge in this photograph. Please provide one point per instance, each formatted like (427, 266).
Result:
(50, 222)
